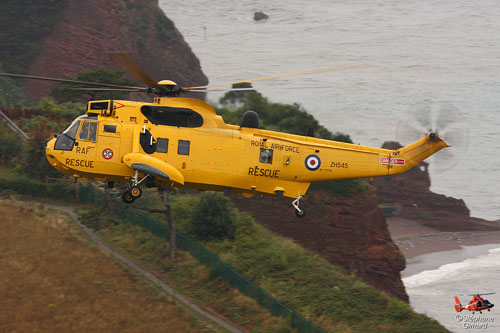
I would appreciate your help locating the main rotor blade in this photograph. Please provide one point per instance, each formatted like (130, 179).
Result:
(95, 84)
(227, 89)
(314, 71)
(112, 89)
(125, 61)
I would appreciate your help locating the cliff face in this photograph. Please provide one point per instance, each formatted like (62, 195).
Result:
(411, 192)
(348, 232)
(88, 29)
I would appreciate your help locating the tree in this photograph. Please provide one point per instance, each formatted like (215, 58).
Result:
(213, 218)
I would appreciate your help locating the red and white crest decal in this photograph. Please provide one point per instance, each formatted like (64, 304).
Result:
(392, 161)
(107, 153)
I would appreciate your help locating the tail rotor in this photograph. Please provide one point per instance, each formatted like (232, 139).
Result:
(444, 119)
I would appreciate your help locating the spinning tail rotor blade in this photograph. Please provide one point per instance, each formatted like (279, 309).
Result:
(443, 119)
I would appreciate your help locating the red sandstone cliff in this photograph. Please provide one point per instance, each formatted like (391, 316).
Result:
(349, 232)
(88, 29)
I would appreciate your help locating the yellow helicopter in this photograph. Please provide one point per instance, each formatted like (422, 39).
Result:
(176, 141)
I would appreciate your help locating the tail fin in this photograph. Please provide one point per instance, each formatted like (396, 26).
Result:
(458, 305)
(409, 156)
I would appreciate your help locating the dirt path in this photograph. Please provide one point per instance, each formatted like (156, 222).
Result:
(71, 211)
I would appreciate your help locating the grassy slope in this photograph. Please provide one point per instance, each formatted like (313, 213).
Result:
(52, 278)
(301, 280)
(190, 278)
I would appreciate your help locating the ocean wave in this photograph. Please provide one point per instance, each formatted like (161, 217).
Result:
(458, 269)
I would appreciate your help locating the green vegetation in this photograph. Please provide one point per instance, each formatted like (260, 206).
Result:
(213, 217)
(28, 157)
(23, 184)
(67, 92)
(342, 188)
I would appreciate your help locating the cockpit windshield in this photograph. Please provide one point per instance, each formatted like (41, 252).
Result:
(66, 139)
(71, 131)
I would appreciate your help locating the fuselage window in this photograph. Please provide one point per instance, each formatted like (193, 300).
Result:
(266, 155)
(110, 128)
(162, 145)
(170, 116)
(183, 148)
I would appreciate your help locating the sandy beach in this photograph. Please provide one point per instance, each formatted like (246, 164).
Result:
(414, 239)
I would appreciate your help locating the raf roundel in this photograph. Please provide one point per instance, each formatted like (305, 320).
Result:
(107, 153)
(313, 162)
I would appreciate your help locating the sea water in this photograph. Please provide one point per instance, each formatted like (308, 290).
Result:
(432, 291)
(434, 51)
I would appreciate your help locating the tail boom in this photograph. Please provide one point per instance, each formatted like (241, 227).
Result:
(407, 157)
(458, 305)
(352, 161)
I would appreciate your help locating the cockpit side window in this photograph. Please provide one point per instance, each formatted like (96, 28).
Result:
(88, 131)
(93, 131)
(84, 131)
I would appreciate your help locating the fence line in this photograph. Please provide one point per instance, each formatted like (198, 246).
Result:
(207, 258)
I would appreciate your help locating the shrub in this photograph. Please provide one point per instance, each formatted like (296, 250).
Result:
(213, 218)
(96, 219)
(22, 185)
(342, 188)
(11, 146)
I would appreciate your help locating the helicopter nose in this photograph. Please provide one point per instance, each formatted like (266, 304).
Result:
(50, 145)
(49, 151)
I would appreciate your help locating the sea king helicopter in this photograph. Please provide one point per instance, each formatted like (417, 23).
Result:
(176, 141)
(477, 303)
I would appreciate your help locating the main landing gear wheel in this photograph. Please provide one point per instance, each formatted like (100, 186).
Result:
(131, 194)
(302, 213)
(135, 192)
(127, 198)
(298, 212)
